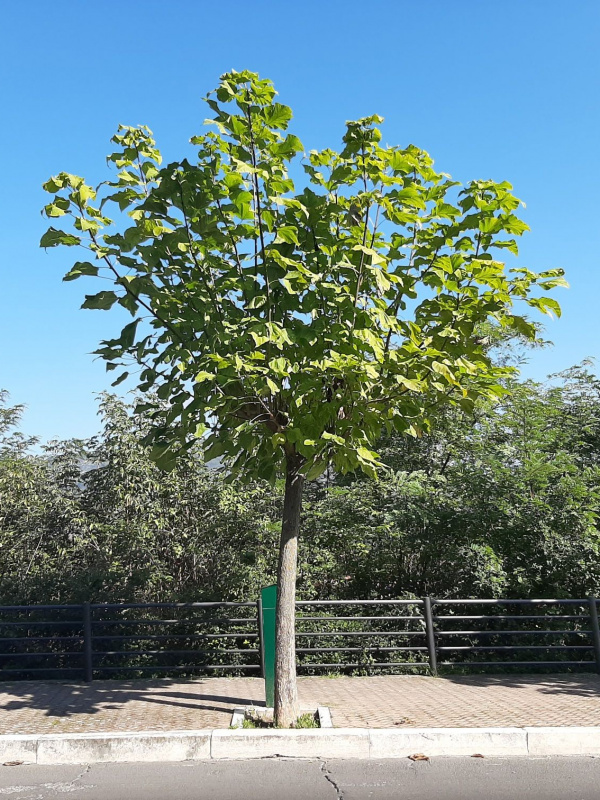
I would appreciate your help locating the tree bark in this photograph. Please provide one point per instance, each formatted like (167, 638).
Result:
(286, 692)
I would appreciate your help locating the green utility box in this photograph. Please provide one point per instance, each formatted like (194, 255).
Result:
(268, 605)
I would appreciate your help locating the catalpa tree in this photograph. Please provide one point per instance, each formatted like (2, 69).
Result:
(289, 328)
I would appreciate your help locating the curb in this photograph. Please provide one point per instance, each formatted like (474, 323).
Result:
(325, 743)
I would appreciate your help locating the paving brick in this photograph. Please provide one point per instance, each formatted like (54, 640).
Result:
(371, 702)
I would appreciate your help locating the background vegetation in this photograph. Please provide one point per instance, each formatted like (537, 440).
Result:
(501, 504)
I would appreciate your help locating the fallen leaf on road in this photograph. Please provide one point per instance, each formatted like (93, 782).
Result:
(12, 763)
(419, 757)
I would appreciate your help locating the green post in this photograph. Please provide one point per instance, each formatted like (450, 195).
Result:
(268, 604)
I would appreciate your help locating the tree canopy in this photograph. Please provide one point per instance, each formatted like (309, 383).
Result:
(303, 321)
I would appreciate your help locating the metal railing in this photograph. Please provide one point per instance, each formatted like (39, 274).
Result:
(135, 639)
(514, 637)
(388, 634)
(99, 640)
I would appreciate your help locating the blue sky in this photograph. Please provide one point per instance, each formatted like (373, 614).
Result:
(503, 90)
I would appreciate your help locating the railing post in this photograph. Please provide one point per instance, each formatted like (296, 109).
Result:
(430, 633)
(87, 643)
(595, 630)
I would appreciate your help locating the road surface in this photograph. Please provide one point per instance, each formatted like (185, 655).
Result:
(569, 778)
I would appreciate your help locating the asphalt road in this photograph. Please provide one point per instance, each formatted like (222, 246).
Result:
(573, 778)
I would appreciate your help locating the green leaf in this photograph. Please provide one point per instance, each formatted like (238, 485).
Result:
(278, 116)
(367, 455)
(443, 370)
(57, 209)
(513, 224)
(280, 366)
(288, 148)
(123, 376)
(258, 339)
(547, 305)
(164, 455)
(509, 244)
(287, 234)
(409, 383)
(312, 471)
(522, 326)
(128, 334)
(102, 300)
(129, 302)
(53, 185)
(201, 429)
(81, 268)
(204, 376)
(53, 237)
(332, 437)
(214, 450)
(257, 301)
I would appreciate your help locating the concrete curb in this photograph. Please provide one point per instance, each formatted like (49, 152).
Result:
(326, 743)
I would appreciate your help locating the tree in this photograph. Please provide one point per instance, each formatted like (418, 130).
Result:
(501, 503)
(289, 328)
(99, 521)
(13, 443)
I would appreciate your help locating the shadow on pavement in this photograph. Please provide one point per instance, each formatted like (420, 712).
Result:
(582, 685)
(62, 699)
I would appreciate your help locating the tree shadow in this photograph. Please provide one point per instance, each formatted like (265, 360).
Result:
(66, 699)
(573, 684)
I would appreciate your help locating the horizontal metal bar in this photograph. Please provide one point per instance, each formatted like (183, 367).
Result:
(57, 607)
(360, 603)
(8, 640)
(195, 622)
(308, 664)
(37, 624)
(169, 637)
(301, 618)
(512, 616)
(355, 649)
(504, 602)
(185, 668)
(523, 647)
(515, 663)
(361, 633)
(523, 632)
(38, 669)
(171, 652)
(33, 654)
(246, 604)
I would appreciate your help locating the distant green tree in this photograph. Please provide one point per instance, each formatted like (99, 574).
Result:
(39, 515)
(184, 535)
(504, 502)
(100, 521)
(12, 442)
(294, 327)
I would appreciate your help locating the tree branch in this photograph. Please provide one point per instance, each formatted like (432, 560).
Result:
(258, 212)
(195, 259)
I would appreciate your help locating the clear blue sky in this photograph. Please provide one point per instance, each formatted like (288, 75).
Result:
(505, 90)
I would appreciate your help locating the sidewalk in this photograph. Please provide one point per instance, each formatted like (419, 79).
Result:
(378, 702)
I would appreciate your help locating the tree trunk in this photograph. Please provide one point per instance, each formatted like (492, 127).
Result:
(286, 692)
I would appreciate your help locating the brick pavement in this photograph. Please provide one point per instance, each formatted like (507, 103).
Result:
(376, 702)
